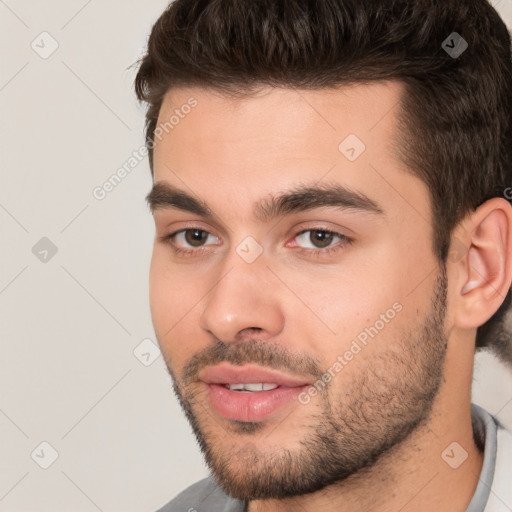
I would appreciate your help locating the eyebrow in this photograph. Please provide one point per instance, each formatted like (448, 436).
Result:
(298, 199)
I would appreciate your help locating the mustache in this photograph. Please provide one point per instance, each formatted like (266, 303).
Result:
(262, 353)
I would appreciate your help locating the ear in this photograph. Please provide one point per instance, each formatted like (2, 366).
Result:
(483, 269)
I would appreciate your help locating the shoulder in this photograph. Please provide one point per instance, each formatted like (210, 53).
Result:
(204, 495)
(500, 499)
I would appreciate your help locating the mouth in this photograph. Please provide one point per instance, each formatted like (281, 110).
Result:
(250, 376)
(251, 387)
(249, 393)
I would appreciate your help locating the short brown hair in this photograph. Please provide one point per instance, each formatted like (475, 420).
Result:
(455, 113)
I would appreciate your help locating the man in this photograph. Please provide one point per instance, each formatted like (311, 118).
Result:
(333, 240)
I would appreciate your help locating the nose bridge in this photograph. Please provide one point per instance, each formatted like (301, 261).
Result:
(243, 296)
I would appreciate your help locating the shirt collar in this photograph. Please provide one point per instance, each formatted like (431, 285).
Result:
(485, 435)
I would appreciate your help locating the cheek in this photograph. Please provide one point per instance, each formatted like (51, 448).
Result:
(347, 295)
(161, 292)
(364, 302)
(171, 295)
(172, 308)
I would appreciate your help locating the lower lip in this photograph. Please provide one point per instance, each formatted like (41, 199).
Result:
(250, 406)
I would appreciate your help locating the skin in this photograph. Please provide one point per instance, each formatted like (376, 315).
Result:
(410, 384)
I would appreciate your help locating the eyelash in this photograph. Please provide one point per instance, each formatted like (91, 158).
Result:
(345, 240)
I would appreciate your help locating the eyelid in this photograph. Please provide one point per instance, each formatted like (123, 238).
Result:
(186, 226)
(165, 225)
(343, 240)
(183, 231)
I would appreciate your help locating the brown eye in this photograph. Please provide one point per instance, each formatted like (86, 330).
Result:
(317, 238)
(189, 240)
(321, 239)
(195, 237)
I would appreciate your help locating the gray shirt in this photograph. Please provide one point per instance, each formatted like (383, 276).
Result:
(207, 496)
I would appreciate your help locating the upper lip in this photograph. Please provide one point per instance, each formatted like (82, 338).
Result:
(222, 374)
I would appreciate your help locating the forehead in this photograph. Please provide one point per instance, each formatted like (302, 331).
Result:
(282, 137)
(367, 110)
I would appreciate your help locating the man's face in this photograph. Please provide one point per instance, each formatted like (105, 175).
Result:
(336, 296)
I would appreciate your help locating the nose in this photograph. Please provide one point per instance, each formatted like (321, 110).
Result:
(244, 298)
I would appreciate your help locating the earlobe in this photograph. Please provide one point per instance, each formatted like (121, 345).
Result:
(485, 271)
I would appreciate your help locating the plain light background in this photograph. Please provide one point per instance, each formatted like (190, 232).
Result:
(73, 372)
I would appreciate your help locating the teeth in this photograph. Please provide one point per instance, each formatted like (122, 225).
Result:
(251, 387)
